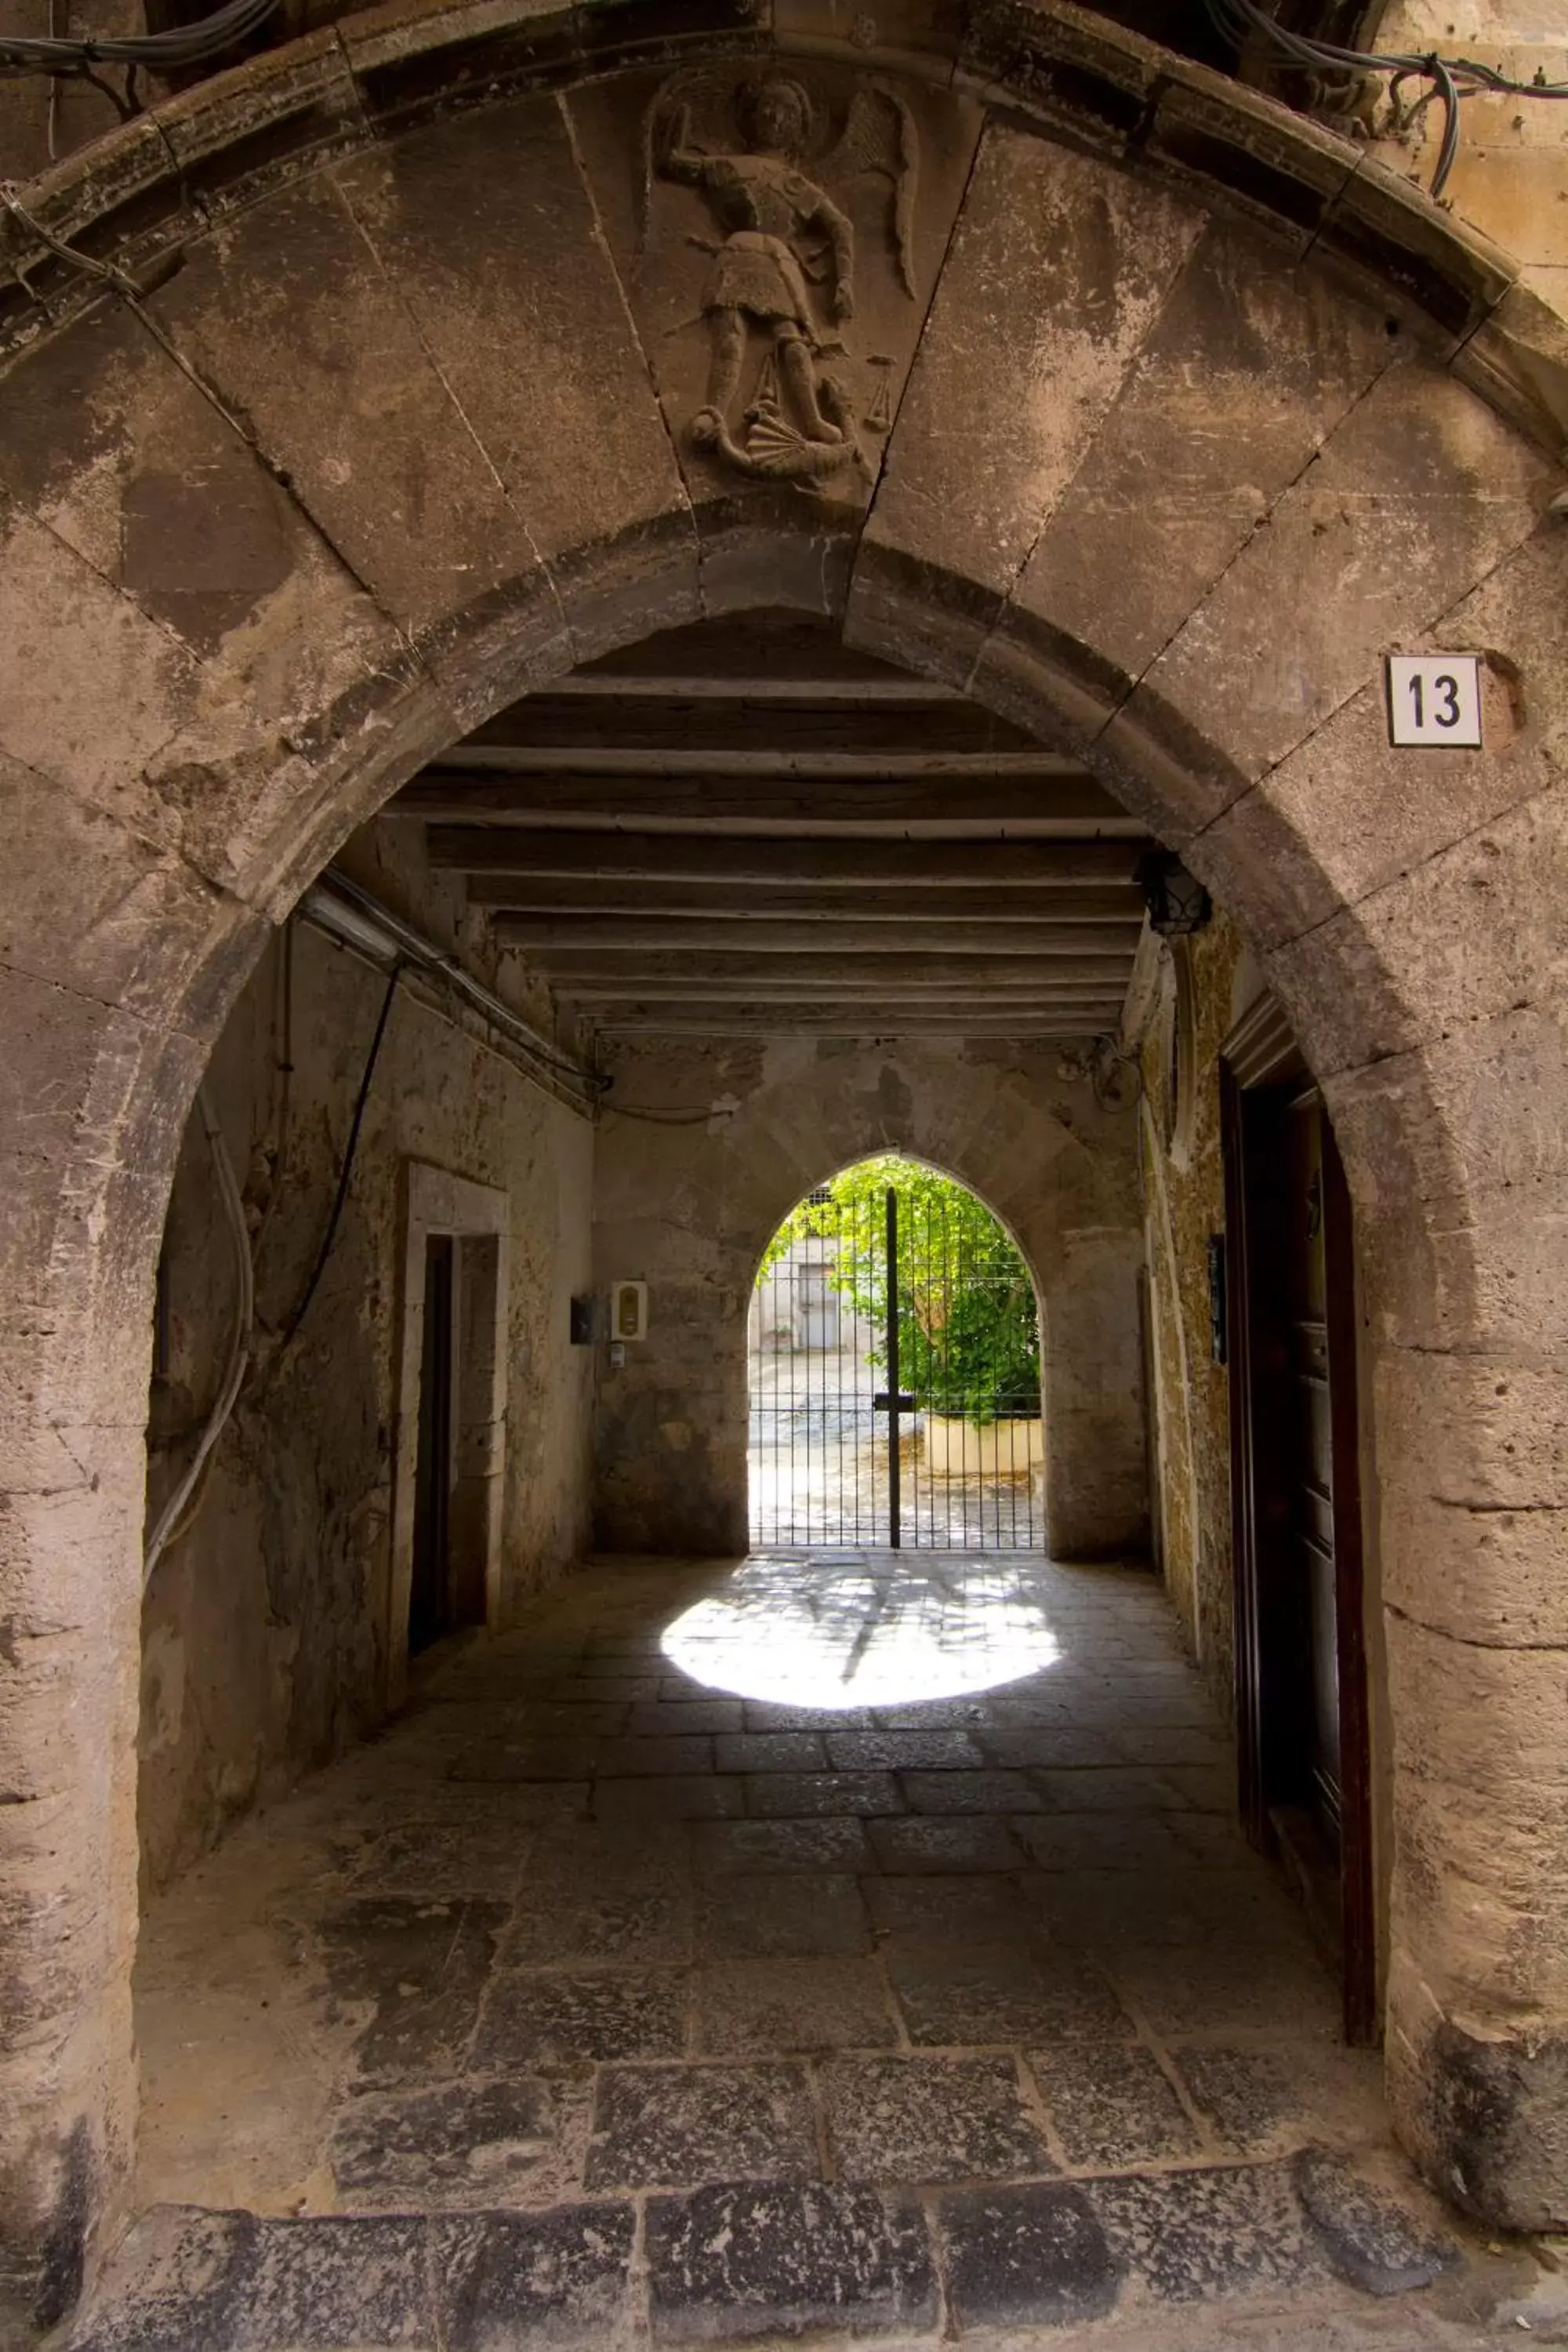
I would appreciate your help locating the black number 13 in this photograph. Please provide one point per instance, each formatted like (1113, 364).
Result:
(1446, 689)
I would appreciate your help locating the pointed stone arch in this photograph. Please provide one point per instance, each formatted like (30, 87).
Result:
(370, 431)
(1055, 1169)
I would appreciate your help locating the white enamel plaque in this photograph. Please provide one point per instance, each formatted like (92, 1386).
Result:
(1434, 698)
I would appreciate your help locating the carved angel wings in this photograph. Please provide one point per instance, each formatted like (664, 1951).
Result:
(880, 135)
(713, 112)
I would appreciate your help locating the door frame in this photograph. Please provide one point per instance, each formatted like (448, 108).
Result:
(434, 1452)
(1261, 1067)
(477, 1219)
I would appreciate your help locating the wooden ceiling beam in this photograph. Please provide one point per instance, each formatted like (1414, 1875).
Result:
(1102, 1011)
(754, 686)
(666, 857)
(523, 898)
(601, 973)
(856, 1020)
(1072, 807)
(728, 724)
(773, 764)
(545, 937)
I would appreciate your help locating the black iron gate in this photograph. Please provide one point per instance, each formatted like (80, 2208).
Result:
(895, 1373)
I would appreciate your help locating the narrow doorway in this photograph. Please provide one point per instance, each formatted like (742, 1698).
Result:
(430, 1589)
(1300, 1663)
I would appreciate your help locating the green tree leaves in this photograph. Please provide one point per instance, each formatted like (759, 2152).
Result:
(969, 1342)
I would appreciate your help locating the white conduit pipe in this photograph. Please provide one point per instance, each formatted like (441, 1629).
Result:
(340, 908)
(169, 1517)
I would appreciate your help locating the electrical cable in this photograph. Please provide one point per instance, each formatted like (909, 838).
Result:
(663, 1118)
(1452, 79)
(52, 125)
(283, 1061)
(166, 52)
(175, 1515)
(344, 1174)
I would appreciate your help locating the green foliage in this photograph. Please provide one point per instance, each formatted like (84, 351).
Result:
(969, 1341)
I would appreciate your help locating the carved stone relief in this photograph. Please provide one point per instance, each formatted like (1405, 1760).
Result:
(779, 227)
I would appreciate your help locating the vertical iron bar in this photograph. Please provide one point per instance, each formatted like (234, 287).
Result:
(893, 1495)
(794, 1392)
(923, 1263)
(839, 1482)
(853, 1432)
(865, 1456)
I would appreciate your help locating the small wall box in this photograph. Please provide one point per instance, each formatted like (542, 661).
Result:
(628, 1310)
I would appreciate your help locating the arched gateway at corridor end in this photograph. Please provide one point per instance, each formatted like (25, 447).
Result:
(893, 1347)
(1110, 426)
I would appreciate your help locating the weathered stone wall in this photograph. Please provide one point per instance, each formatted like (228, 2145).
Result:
(689, 1208)
(1245, 419)
(268, 1637)
(1184, 1202)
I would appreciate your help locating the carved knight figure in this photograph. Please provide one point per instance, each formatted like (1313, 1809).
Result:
(785, 249)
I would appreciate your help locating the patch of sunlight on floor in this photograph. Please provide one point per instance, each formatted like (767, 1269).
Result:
(828, 1634)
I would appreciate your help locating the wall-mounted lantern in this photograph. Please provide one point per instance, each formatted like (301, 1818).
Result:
(1177, 902)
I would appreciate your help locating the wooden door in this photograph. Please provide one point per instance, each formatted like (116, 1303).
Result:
(1307, 1562)
(1301, 1704)
(430, 1592)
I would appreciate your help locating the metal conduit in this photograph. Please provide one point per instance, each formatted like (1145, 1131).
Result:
(344, 911)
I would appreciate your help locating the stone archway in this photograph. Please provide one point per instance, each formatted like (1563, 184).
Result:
(1042, 1156)
(285, 510)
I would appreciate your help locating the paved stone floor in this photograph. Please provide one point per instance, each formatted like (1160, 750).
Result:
(834, 1948)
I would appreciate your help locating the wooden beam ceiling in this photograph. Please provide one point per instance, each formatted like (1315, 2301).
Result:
(747, 828)
(1047, 807)
(825, 864)
(854, 1018)
(568, 896)
(543, 938)
(892, 974)
(547, 728)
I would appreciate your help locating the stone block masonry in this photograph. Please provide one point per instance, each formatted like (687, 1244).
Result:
(532, 2069)
(691, 1209)
(271, 1633)
(465, 482)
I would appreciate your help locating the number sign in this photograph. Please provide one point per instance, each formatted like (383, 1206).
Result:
(1434, 698)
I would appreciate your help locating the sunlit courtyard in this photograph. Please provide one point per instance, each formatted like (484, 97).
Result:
(833, 1631)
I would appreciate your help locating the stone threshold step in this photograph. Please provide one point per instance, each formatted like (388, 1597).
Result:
(735, 2262)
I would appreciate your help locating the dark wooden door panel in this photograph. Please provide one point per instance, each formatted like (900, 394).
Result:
(429, 1601)
(1301, 1708)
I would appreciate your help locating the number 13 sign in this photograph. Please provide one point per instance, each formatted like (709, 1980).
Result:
(1434, 698)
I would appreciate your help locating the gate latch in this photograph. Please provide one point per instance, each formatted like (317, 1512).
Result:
(883, 1401)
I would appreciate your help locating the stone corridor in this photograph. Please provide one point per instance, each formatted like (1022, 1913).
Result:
(832, 1944)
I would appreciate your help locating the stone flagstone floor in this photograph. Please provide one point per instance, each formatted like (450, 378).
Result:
(840, 1945)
